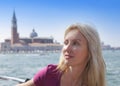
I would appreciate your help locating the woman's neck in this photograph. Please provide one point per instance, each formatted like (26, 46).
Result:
(75, 72)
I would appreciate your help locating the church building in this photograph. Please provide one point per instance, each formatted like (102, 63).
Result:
(32, 39)
(17, 44)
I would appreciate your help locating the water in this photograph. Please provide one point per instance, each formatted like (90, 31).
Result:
(112, 59)
(26, 65)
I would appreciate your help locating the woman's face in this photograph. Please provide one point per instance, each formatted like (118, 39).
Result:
(75, 50)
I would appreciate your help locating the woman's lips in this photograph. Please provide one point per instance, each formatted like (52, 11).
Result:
(68, 56)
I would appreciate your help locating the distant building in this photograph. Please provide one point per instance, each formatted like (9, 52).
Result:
(33, 43)
(14, 34)
(109, 47)
(33, 36)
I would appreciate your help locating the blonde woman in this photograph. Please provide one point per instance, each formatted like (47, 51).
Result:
(81, 62)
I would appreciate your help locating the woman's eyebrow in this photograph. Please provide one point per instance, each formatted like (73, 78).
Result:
(78, 39)
(73, 39)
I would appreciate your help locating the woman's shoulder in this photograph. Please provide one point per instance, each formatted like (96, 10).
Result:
(52, 75)
(48, 74)
(52, 69)
(51, 66)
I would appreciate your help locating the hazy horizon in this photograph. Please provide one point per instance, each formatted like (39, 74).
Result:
(51, 17)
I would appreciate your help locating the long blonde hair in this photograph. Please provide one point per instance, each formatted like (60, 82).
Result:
(94, 72)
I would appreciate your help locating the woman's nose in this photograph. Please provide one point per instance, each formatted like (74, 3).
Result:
(68, 48)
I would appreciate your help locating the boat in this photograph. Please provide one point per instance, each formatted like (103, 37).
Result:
(13, 79)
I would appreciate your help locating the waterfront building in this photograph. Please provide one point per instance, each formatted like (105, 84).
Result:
(32, 44)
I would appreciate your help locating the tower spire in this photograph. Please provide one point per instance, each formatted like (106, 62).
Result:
(14, 34)
(14, 20)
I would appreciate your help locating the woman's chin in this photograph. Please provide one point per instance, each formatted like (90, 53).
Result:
(68, 63)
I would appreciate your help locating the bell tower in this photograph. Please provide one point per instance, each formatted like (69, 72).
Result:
(14, 34)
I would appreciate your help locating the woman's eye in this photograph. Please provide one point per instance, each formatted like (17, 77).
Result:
(65, 42)
(75, 43)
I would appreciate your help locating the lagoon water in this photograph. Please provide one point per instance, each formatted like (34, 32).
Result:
(26, 65)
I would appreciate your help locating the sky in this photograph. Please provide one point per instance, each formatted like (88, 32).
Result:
(52, 17)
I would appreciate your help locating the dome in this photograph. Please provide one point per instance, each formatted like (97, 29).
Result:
(33, 34)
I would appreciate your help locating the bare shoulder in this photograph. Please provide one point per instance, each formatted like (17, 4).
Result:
(28, 83)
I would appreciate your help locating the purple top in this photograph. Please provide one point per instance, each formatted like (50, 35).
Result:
(48, 76)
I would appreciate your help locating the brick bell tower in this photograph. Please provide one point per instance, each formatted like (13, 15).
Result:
(14, 34)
